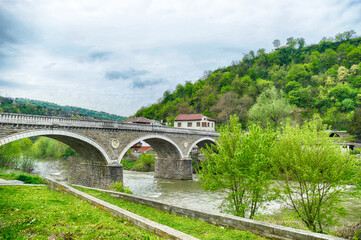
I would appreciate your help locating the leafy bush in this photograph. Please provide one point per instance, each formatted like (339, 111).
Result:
(25, 177)
(317, 167)
(145, 163)
(30, 179)
(238, 166)
(118, 186)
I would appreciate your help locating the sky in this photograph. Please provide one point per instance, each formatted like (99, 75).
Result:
(117, 56)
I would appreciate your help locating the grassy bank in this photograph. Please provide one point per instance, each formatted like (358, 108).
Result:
(12, 174)
(39, 213)
(196, 228)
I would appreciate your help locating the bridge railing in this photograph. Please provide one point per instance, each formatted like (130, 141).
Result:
(13, 118)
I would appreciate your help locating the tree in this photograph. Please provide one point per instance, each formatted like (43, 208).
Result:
(238, 165)
(345, 35)
(301, 42)
(354, 127)
(311, 168)
(291, 42)
(270, 107)
(229, 104)
(276, 43)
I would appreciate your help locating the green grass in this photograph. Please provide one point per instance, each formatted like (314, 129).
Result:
(189, 226)
(34, 212)
(22, 176)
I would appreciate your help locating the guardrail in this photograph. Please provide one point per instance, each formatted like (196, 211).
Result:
(24, 119)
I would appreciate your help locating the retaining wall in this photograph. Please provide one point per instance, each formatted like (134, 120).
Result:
(265, 229)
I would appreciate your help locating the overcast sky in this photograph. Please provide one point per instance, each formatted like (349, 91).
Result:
(119, 55)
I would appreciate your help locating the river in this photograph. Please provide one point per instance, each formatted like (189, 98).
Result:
(181, 193)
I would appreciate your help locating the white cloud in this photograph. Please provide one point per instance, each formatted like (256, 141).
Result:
(67, 47)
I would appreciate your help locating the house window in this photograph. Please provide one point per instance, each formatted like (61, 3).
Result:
(204, 124)
(198, 124)
(179, 124)
(208, 124)
(189, 124)
(212, 124)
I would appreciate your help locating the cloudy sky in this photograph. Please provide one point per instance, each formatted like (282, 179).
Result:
(118, 55)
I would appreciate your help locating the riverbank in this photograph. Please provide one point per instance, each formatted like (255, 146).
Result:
(42, 213)
(190, 226)
(39, 213)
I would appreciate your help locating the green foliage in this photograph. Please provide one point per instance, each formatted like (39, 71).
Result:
(119, 187)
(17, 154)
(44, 214)
(48, 148)
(312, 169)
(145, 163)
(354, 127)
(238, 165)
(22, 153)
(315, 78)
(193, 227)
(30, 179)
(35, 107)
(270, 107)
(25, 177)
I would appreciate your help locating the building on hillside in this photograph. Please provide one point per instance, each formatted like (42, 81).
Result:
(195, 121)
(138, 147)
(142, 120)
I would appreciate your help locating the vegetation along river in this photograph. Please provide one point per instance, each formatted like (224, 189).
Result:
(181, 193)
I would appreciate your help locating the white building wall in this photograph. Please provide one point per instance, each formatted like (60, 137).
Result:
(184, 124)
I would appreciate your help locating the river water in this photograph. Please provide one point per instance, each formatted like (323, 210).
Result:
(181, 193)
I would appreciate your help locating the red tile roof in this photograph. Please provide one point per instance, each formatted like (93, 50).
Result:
(191, 117)
(144, 148)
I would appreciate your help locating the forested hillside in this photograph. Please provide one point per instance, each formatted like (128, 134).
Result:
(323, 78)
(27, 106)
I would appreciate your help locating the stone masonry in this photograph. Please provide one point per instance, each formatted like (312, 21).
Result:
(101, 145)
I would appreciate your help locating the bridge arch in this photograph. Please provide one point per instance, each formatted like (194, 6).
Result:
(201, 143)
(164, 147)
(84, 146)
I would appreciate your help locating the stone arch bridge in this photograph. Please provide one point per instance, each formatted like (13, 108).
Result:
(101, 145)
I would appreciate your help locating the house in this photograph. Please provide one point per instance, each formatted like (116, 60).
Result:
(142, 120)
(195, 121)
(138, 147)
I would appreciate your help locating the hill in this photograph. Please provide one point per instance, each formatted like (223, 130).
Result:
(323, 78)
(35, 107)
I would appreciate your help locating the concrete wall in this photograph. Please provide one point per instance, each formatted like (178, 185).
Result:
(265, 229)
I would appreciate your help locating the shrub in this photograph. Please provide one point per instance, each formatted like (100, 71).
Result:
(238, 166)
(318, 168)
(118, 186)
(30, 179)
(145, 163)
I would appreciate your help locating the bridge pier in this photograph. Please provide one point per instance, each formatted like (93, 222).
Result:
(115, 172)
(94, 175)
(173, 169)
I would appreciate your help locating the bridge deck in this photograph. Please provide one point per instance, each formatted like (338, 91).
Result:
(52, 121)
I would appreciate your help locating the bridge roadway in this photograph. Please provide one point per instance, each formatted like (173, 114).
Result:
(101, 145)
